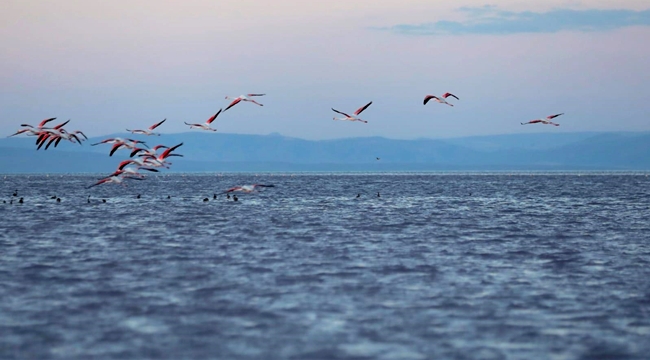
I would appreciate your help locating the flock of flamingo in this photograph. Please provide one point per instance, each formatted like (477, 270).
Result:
(149, 160)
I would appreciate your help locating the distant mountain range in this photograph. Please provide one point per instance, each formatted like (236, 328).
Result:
(217, 152)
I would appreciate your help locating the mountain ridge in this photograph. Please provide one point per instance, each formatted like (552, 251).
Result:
(275, 152)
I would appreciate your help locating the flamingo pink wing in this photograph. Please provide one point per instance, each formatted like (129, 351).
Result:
(360, 110)
(42, 123)
(213, 117)
(427, 98)
(233, 103)
(156, 125)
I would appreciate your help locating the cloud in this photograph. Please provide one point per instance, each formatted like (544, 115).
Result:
(489, 20)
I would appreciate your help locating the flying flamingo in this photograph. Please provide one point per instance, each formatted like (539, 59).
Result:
(206, 124)
(29, 130)
(246, 188)
(148, 131)
(238, 99)
(47, 132)
(442, 101)
(114, 180)
(122, 169)
(119, 141)
(55, 137)
(353, 118)
(160, 160)
(151, 151)
(546, 121)
(124, 145)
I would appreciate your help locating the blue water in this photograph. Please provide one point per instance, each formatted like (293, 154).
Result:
(549, 266)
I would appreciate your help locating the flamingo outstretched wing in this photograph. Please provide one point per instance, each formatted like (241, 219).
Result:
(427, 98)
(446, 95)
(213, 117)
(169, 150)
(156, 125)
(255, 94)
(360, 110)
(553, 116)
(61, 125)
(233, 103)
(340, 112)
(42, 123)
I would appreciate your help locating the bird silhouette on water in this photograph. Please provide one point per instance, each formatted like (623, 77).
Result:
(378, 194)
(234, 197)
(58, 200)
(16, 193)
(214, 197)
(137, 197)
(358, 196)
(20, 201)
(205, 200)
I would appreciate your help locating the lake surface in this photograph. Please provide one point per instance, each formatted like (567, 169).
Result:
(480, 266)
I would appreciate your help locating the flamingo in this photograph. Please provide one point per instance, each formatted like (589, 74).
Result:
(123, 145)
(246, 188)
(55, 137)
(29, 130)
(206, 124)
(442, 101)
(143, 162)
(47, 132)
(148, 131)
(238, 99)
(151, 151)
(114, 180)
(119, 141)
(160, 161)
(122, 169)
(546, 121)
(353, 118)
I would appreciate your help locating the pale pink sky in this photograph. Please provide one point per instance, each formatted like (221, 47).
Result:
(112, 65)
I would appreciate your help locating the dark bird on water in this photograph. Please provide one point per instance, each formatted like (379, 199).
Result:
(137, 197)
(358, 196)
(234, 197)
(214, 196)
(20, 201)
(378, 194)
(58, 199)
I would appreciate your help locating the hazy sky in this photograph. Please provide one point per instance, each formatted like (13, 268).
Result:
(115, 64)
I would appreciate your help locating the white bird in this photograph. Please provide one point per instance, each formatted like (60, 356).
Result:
(356, 113)
(546, 120)
(238, 99)
(246, 188)
(148, 131)
(206, 124)
(442, 101)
